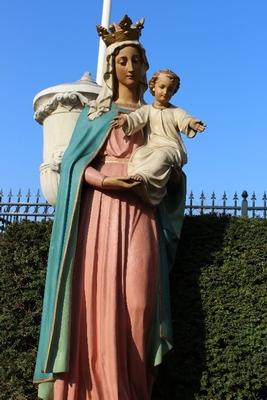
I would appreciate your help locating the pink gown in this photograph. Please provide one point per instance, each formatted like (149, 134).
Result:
(114, 286)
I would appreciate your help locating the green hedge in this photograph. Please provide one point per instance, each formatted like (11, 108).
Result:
(220, 312)
(218, 300)
(23, 254)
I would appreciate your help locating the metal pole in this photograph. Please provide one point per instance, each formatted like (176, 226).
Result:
(102, 47)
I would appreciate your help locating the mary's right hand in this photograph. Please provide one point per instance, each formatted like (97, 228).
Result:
(119, 183)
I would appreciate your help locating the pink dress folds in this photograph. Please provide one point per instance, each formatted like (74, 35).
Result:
(114, 286)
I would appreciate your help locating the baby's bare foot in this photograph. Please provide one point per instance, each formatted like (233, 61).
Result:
(137, 178)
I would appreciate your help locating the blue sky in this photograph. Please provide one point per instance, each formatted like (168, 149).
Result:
(217, 47)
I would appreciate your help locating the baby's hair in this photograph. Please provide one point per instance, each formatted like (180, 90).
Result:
(172, 75)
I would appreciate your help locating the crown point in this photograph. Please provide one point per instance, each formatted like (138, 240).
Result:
(122, 31)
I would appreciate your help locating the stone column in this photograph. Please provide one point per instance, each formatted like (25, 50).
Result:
(57, 109)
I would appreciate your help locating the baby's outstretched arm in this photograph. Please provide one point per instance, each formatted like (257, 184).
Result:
(120, 122)
(197, 125)
(133, 122)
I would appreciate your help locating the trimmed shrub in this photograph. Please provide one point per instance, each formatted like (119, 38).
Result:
(23, 254)
(218, 290)
(219, 306)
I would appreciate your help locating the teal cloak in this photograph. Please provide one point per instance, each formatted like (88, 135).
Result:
(53, 351)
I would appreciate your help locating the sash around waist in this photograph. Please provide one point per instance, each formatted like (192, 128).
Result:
(111, 159)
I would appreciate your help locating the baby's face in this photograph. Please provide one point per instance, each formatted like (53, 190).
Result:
(163, 89)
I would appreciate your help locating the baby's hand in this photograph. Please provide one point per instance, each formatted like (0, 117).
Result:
(120, 122)
(197, 125)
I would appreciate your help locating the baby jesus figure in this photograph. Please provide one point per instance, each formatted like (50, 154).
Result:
(152, 163)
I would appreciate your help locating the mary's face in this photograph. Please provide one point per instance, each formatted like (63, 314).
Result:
(128, 66)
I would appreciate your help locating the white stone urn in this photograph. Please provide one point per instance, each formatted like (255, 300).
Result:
(57, 108)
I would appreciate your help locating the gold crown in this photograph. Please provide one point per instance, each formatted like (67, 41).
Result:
(124, 30)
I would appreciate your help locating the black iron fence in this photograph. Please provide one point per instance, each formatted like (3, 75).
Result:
(243, 205)
(14, 208)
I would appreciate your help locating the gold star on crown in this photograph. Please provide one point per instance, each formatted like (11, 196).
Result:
(124, 30)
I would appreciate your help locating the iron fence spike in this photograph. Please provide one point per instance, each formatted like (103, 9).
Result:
(224, 197)
(202, 196)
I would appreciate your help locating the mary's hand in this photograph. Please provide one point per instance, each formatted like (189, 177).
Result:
(119, 183)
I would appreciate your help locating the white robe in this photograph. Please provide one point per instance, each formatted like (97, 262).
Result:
(164, 147)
